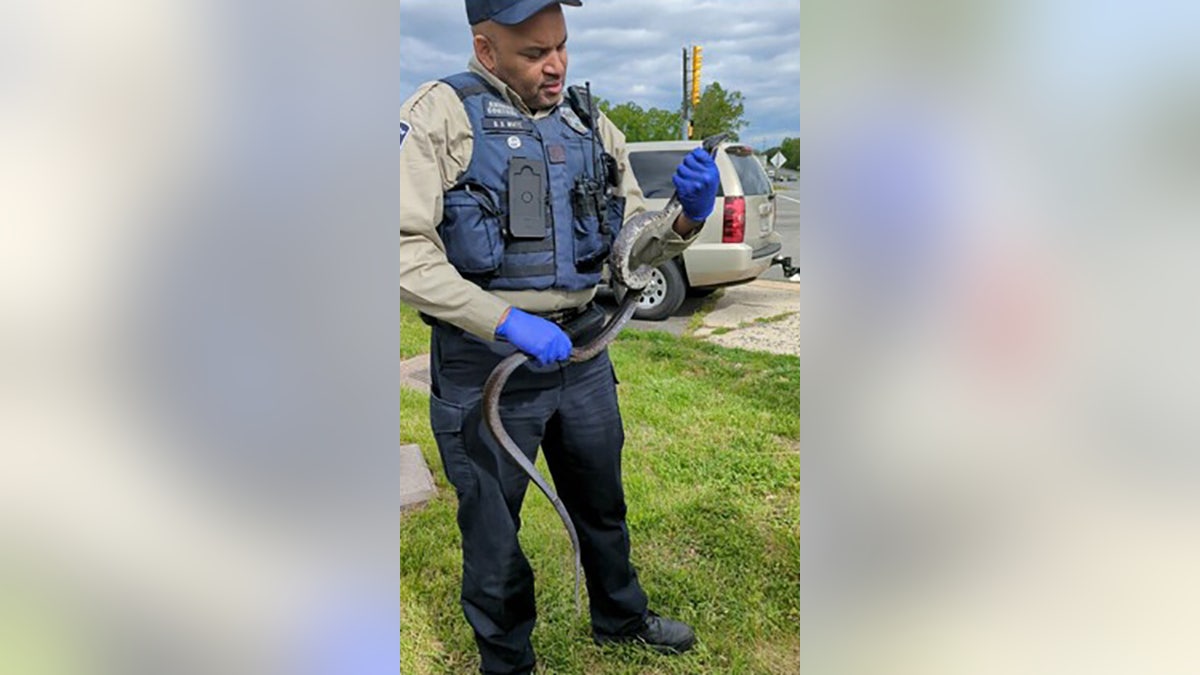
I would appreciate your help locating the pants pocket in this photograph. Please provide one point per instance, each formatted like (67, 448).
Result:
(448, 421)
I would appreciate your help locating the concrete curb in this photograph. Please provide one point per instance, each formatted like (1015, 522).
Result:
(414, 373)
(789, 286)
(416, 483)
(737, 319)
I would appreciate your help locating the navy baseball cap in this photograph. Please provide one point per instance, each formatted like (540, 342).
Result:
(509, 12)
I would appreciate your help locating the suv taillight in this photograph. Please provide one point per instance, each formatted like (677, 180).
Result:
(734, 230)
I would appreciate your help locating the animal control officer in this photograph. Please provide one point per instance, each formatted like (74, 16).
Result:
(507, 213)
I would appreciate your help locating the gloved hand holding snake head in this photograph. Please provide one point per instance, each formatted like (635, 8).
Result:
(696, 181)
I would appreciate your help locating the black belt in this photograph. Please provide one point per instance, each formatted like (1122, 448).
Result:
(561, 316)
(579, 323)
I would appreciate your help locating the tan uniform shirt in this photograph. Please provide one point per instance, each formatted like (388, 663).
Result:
(433, 156)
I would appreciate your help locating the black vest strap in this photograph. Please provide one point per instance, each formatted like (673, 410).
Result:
(466, 90)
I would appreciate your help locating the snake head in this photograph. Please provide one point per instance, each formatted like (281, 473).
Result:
(710, 144)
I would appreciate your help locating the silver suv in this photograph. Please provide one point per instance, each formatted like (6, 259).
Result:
(738, 241)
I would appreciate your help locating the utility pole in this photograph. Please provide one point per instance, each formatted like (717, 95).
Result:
(691, 89)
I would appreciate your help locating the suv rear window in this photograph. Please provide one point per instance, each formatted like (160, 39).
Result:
(654, 170)
(750, 172)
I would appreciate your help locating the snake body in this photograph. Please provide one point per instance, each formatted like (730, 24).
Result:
(635, 280)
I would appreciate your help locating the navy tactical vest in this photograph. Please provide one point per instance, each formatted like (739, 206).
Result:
(475, 222)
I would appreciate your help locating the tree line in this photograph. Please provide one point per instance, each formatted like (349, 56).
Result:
(718, 110)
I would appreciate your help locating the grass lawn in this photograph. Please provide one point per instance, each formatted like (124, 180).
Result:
(712, 476)
(414, 334)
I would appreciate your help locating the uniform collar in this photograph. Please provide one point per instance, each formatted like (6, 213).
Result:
(476, 67)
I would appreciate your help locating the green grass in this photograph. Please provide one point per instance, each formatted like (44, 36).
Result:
(774, 318)
(414, 334)
(712, 475)
(697, 319)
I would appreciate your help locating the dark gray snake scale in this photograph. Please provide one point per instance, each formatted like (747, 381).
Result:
(635, 281)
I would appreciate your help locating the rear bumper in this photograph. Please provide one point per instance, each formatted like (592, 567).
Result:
(726, 264)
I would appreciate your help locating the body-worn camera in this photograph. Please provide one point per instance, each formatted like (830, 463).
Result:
(526, 199)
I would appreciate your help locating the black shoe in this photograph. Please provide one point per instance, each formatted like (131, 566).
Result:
(666, 636)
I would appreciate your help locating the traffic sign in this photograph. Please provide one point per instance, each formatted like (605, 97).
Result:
(777, 159)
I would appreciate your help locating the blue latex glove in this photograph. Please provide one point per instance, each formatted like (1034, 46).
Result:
(696, 182)
(541, 339)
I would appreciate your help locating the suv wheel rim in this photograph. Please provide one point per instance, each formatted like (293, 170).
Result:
(655, 291)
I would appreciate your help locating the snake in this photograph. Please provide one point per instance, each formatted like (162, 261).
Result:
(634, 280)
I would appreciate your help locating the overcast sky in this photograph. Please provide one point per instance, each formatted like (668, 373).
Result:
(631, 51)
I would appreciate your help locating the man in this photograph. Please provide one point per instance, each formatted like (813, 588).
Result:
(508, 209)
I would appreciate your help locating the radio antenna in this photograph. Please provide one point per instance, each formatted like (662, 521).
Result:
(592, 112)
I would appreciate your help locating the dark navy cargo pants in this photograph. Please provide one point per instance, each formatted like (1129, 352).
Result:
(572, 412)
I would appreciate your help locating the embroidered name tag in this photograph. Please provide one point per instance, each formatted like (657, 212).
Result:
(491, 124)
(500, 109)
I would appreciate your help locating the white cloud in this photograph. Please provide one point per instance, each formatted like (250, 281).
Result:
(632, 51)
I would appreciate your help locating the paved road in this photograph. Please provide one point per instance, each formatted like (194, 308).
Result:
(737, 307)
(787, 223)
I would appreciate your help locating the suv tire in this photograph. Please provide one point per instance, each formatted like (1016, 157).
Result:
(663, 296)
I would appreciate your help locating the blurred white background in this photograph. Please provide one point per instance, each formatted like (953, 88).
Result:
(198, 330)
(1000, 460)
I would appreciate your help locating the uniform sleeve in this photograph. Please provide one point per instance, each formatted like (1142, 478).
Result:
(435, 148)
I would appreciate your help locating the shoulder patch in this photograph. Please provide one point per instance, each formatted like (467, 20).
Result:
(572, 120)
(404, 129)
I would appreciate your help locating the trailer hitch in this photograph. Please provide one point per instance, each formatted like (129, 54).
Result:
(785, 263)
